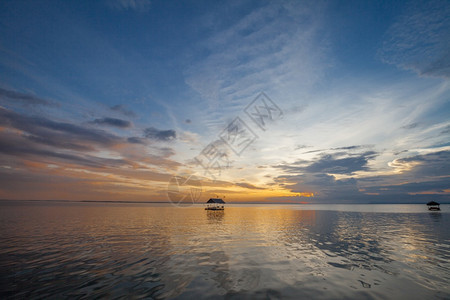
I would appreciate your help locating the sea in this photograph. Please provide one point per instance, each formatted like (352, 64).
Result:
(81, 250)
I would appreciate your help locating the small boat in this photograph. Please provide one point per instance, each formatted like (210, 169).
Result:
(215, 204)
(433, 206)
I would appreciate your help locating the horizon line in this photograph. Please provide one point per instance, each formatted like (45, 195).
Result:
(188, 203)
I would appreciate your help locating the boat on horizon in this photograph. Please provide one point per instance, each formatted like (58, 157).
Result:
(215, 204)
(433, 206)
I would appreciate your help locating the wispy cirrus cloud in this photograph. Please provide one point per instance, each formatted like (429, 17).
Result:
(136, 5)
(123, 110)
(419, 39)
(274, 48)
(410, 126)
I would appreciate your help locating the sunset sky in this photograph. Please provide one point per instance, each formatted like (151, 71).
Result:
(108, 100)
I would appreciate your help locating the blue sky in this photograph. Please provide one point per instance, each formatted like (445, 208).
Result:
(107, 100)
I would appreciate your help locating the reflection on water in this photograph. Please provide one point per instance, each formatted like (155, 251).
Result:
(435, 215)
(215, 215)
(158, 251)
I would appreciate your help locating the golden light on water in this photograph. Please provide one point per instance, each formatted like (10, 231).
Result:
(245, 249)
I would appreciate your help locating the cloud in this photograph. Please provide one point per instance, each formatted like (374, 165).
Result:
(422, 176)
(136, 140)
(43, 177)
(419, 39)
(18, 146)
(338, 163)
(121, 109)
(25, 99)
(274, 48)
(44, 129)
(318, 176)
(189, 137)
(350, 147)
(410, 126)
(446, 130)
(431, 164)
(249, 186)
(166, 151)
(58, 143)
(427, 176)
(160, 135)
(112, 122)
(325, 187)
(41, 139)
(436, 186)
(354, 147)
(136, 5)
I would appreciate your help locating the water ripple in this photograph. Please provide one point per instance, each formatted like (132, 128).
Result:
(159, 252)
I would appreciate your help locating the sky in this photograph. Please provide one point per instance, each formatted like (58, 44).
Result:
(266, 101)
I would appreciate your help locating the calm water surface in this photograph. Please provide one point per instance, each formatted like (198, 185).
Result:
(82, 250)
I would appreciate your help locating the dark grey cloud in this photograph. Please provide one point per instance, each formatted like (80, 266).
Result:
(325, 187)
(333, 163)
(31, 139)
(354, 147)
(437, 185)
(316, 177)
(431, 164)
(136, 140)
(17, 146)
(112, 122)
(54, 133)
(160, 135)
(123, 110)
(25, 99)
(314, 151)
(428, 179)
(338, 163)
